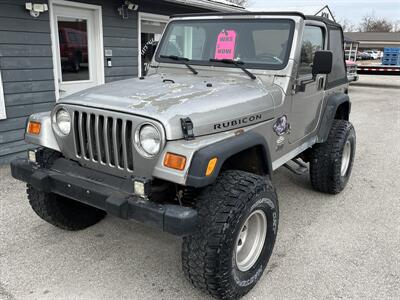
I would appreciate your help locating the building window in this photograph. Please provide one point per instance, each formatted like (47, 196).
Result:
(2, 104)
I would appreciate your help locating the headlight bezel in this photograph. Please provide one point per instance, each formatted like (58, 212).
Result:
(138, 144)
(55, 122)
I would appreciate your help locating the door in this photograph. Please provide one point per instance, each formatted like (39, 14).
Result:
(78, 50)
(307, 104)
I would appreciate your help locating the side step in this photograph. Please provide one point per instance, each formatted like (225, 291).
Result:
(300, 169)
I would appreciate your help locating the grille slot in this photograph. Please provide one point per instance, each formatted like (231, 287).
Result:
(104, 140)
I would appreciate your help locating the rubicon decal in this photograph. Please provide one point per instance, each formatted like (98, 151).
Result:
(237, 122)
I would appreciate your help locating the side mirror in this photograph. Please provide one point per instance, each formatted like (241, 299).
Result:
(322, 63)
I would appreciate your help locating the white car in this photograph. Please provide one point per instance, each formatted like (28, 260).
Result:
(374, 54)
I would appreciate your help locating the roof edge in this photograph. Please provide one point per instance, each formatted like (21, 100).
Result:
(219, 6)
(258, 13)
(243, 13)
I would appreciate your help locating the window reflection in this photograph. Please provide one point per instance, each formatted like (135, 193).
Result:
(73, 49)
(313, 40)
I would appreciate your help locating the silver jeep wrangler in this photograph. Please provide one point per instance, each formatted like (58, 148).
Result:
(191, 148)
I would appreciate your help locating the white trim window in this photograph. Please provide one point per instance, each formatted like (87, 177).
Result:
(161, 20)
(2, 103)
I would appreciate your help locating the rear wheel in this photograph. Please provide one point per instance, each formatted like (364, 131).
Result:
(238, 223)
(332, 161)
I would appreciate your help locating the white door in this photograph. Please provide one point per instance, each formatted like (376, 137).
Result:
(77, 41)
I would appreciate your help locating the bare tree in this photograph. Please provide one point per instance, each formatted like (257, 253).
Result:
(396, 26)
(371, 24)
(347, 25)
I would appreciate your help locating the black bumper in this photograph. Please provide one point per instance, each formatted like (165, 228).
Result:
(105, 192)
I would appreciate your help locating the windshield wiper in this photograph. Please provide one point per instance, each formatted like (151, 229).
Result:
(184, 60)
(239, 64)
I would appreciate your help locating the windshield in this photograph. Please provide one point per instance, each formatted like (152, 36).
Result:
(259, 43)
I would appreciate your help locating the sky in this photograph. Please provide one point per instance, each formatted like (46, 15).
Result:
(352, 10)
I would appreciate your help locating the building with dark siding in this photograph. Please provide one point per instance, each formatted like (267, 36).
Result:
(375, 40)
(74, 45)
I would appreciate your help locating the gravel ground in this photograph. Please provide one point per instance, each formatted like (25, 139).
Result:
(344, 246)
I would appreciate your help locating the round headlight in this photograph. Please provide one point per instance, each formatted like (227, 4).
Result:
(148, 140)
(63, 121)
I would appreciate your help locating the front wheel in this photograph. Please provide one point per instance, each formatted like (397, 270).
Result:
(63, 212)
(238, 224)
(332, 161)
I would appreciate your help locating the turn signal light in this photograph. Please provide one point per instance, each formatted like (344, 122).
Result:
(34, 127)
(175, 161)
(211, 166)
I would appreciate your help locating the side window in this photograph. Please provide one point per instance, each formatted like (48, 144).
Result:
(338, 73)
(313, 40)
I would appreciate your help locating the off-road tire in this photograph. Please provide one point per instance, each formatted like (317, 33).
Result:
(208, 256)
(63, 212)
(326, 159)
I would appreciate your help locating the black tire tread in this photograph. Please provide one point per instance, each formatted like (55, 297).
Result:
(62, 212)
(324, 176)
(201, 262)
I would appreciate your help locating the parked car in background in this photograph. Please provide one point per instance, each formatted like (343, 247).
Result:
(373, 54)
(363, 56)
(73, 48)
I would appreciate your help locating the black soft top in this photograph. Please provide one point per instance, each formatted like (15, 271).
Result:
(258, 13)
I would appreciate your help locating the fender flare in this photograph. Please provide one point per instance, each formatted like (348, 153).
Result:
(332, 104)
(223, 150)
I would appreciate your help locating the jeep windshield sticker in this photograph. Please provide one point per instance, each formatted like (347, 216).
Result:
(226, 43)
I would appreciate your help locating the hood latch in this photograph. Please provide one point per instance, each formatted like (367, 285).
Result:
(187, 129)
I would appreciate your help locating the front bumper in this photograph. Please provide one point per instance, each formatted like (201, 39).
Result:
(106, 192)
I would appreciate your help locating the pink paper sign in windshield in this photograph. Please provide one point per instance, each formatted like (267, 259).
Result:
(226, 43)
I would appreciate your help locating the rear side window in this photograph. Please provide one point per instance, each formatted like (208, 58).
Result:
(338, 75)
(313, 40)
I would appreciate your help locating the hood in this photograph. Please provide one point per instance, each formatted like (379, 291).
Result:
(213, 103)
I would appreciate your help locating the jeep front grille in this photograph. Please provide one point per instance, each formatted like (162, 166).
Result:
(103, 139)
